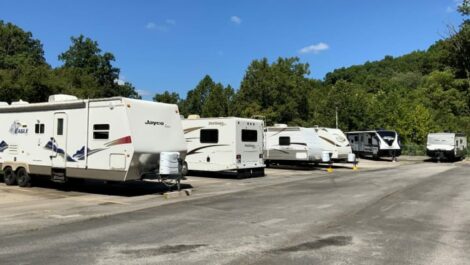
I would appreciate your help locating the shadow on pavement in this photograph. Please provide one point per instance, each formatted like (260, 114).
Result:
(310, 167)
(224, 174)
(127, 189)
(380, 159)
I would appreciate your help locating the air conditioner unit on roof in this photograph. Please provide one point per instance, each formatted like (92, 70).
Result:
(61, 97)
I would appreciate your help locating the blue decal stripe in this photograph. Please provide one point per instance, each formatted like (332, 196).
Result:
(3, 146)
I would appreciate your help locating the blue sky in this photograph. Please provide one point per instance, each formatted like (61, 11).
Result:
(171, 45)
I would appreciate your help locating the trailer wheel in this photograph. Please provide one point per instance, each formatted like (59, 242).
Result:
(9, 176)
(23, 178)
(262, 172)
(184, 169)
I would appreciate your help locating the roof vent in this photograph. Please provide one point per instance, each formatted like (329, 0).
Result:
(193, 117)
(280, 125)
(61, 97)
(21, 102)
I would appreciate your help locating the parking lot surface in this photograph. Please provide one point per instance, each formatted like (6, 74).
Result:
(409, 212)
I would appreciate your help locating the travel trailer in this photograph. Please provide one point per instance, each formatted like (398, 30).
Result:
(297, 145)
(376, 144)
(451, 146)
(112, 139)
(224, 144)
(335, 141)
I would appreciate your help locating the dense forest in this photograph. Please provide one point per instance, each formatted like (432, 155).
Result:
(414, 94)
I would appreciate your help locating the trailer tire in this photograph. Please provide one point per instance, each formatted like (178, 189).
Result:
(23, 178)
(9, 176)
(184, 169)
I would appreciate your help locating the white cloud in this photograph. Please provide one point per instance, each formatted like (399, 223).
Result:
(121, 80)
(449, 9)
(165, 26)
(170, 22)
(143, 93)
(150, 25)
(315, 48)
(235, 19)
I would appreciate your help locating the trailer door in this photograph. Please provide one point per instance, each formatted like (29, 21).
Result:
(59, 141)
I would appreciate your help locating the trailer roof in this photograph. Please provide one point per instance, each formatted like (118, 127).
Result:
(370, 131)
(57, 105)
(223, 118)
(446, 134)
(293, 128)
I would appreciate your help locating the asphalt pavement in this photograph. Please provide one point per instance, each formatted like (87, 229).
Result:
(415, 213)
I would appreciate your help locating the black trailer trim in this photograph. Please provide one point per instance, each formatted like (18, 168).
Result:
(43, 107)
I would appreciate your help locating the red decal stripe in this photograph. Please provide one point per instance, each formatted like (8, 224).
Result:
(123, 140)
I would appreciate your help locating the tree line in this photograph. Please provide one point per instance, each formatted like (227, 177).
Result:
(86, 72)
(416, 93)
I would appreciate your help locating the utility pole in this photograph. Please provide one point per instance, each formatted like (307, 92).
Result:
(336, 117)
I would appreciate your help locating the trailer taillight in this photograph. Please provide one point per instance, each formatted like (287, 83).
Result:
(239, 158)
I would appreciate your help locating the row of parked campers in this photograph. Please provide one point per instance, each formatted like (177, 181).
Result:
(121, 139)
(245, 145)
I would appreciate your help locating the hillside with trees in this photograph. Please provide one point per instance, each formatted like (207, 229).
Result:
(87, 72)
(416, 93)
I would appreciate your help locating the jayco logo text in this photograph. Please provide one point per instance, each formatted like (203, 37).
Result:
(154, 123)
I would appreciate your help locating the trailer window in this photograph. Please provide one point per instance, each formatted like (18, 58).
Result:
(284, 140)
(39, 128)
(209, 136)
(249, 135)
(101, 127)
(60, 126)
(101, 131)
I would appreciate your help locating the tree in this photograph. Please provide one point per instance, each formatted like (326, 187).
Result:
(278, 90)
(17, 47)
(86, 58)
(126, 90)
(229, 97)
(24, 73)
(196, 97)
(167, 97)
(353, 105)
(215, 104)
(85, 54)
(208, 99)
(464, 8)
(458, 50)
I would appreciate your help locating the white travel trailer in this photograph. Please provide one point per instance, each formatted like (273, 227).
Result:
(286, 145)
(450, 146)
(224, 144)
(335, 141)
(378, 143)
(112, 139)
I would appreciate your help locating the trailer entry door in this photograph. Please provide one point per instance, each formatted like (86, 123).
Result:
(58, 142)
